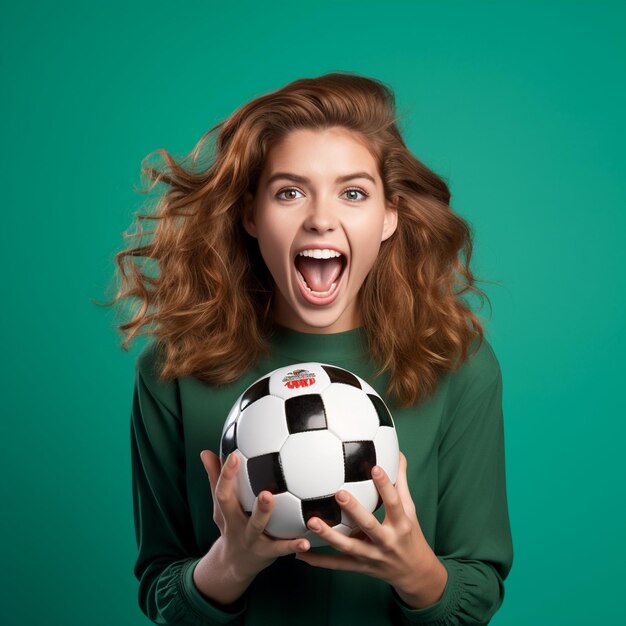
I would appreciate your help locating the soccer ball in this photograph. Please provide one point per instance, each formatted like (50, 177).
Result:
(304, 432)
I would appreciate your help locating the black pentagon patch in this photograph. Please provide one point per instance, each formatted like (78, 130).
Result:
(255, 392)
(265, 472)
(359, 458)
(384, 417)
(229, 441)
(338, 375)
(305, 413)
(325, 508)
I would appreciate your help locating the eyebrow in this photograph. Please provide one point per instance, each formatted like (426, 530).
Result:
(303, 179)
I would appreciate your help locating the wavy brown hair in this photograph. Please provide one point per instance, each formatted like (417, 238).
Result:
(199, 284)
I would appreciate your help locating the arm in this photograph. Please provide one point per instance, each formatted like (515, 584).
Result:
(167, 550)
(179, 584)
(473, 537)
(461, 580)
(243, 549)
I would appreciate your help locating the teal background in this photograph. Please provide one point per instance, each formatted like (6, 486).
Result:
(519, 106)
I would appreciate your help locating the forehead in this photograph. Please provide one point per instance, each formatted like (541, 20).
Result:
(313, 152)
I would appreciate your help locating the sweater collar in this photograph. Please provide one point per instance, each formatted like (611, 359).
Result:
(318, 346)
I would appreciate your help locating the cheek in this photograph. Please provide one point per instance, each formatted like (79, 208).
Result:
(365, 255)
(367, 261)
(274, 245)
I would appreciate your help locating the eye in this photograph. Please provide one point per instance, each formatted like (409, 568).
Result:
(354, 190)
(287, 189)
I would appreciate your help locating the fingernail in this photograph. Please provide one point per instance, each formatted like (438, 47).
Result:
(377, 472)
(342, 496)
(265, 498)
(231, 460)
(314, 525)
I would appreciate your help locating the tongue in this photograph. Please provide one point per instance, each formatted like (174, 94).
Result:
(319, 274)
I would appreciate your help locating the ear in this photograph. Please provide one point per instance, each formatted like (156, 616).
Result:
(390, 223)
(247, 214)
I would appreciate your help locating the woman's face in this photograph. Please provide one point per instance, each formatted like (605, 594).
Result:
(319, 216)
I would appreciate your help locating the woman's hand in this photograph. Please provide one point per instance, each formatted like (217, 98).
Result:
(243, 549)
(394, 551)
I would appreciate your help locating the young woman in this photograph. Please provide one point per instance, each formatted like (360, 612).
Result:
(239, 291)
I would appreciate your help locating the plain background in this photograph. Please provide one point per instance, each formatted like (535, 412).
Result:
(518, 106)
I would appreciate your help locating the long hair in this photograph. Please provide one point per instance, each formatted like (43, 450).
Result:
(199, 283)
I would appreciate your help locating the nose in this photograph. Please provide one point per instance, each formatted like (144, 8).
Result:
(320, 218)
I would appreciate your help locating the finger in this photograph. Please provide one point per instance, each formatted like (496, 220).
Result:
(349, 545)
(402, 487)
(364, 519)
(283, 547)
(212, 467)
(225, 489)
(333, 561)
(259, 518)
(261, 513)
(299, 545)
(394, 510)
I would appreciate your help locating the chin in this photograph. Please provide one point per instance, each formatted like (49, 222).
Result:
(294, 312)
(327, 321)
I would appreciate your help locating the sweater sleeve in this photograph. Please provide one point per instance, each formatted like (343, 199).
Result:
(473, 536)
(168, 551)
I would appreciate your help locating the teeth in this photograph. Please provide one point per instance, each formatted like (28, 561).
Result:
(321, 294)
(320, 254)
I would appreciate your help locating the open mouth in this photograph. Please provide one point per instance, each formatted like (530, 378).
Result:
(319, 273)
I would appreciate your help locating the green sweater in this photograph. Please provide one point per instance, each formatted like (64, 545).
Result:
(454, 444)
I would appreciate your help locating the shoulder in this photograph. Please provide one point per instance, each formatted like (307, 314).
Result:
(472, 404)
(148, 377)
(472, 396)
(480, 372)
(148, 361)
(482, 363)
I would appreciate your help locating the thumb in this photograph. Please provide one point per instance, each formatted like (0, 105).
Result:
(213, 468)
(403, 489)
(212, 465)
